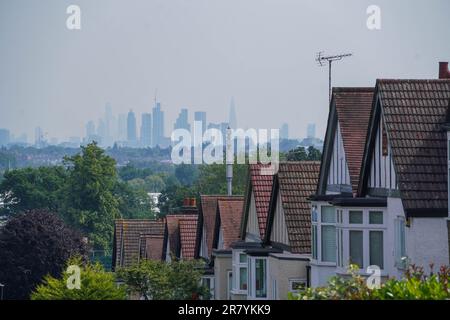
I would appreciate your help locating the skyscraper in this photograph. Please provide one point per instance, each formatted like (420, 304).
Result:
(131, 128)
(182, 121)
(311, 130)
(4, 137)
(122, 127)
(90, 129)
(232, 121)
(39, 137)
(109, 126)
(201, 116)
(146, 130)
(284, 131)
(158, 126)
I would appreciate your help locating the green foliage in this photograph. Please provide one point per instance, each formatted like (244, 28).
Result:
(91, 204)
(301, 154)
(134, 203)
(186, 174)
(415, 285)
(32, 188)
(95, 284)
(157, 280)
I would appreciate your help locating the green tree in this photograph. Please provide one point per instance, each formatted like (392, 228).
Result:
(314, 154)
(91, 204)
(157, 280)
(154, 183)
(134, 203)
(186, 174)
(32, 188)
(95, 284)
(297, 154)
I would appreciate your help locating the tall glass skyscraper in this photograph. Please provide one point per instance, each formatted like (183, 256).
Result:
(146, 130)
(158, 126)
(131, 128)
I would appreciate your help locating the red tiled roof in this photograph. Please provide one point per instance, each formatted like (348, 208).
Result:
(353, 107)
(127, 237)
(208, 205)
(173, 230)
(230, 213)
(296, 182)
(414, 111)
(261, 187)
(188, 236)
(152, 247)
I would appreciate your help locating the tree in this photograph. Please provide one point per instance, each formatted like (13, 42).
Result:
(133, 203)
(314, 154)
(157, 280)
(186, 174)
(95, 284)
(297, 154)
(32, 188)
(32, 245)
(91, 204)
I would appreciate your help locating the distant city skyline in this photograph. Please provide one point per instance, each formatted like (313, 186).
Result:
(199, 54)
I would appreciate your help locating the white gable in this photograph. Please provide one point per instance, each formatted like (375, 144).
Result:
(203, 245)
(279, 230)
(338, 175)
(382, 173)
(252, 231)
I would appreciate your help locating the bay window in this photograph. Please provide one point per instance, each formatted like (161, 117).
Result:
(240, 272)
(361, 238)
(257, 278)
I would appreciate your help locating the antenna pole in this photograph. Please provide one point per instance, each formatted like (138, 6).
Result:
(320, 61)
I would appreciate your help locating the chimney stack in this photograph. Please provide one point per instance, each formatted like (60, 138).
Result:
(444, 73)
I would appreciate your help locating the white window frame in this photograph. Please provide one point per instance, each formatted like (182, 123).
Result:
(237, 265)
(344, 227)
(212, 289)
(251, 293)
(401, 260)
(317, 210)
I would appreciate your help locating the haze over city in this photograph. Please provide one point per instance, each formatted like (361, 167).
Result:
(199, 55)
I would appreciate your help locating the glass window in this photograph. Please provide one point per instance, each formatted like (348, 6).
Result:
(376, 217)
(400, 244)
(355, 217)
(376, 248)
(328, 243)
(243, 278)
(314, 242)
(314, 214)
(242, 258)
(327, 213)
(260, 278)
(356, 248)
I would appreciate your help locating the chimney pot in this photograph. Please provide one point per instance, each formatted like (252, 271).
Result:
(193, 202)
(186, 202)
(444, 73)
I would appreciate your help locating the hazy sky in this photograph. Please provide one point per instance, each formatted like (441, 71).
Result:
(200, 53)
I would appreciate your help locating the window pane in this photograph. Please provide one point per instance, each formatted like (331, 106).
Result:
(242, 258)
(314, 214)
(328, 243)
(376, 248)
(355, 217)
(314, 242)
(400, 245)
(356, 248)
(376, 217)
(243, 278)
(260, 278)
(328, 214)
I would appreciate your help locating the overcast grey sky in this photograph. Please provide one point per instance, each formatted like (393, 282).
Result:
(200, 53)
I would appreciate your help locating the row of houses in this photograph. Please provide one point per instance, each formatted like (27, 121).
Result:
(378, 197)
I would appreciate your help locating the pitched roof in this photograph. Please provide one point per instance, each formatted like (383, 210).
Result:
(295, 181)
(152, 246)
(208, 218)
(261, 186)
(173, 230)
(188, 236)
(127, 238)
(353, 107)
(414, 112)
(230, 214)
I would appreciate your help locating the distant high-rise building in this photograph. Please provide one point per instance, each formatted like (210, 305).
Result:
(4, 137)
(311, 130)
(90, 129)
(222, 127)
(101, 132)
(39, 140)
(109, 125)
(284, 131)
(146, 130)
(201, 116)
(158, 126)
(232, 121)
(131, 127)
(122, 127)
(182, 121)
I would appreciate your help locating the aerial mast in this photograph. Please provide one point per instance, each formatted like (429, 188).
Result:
(321, 61)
